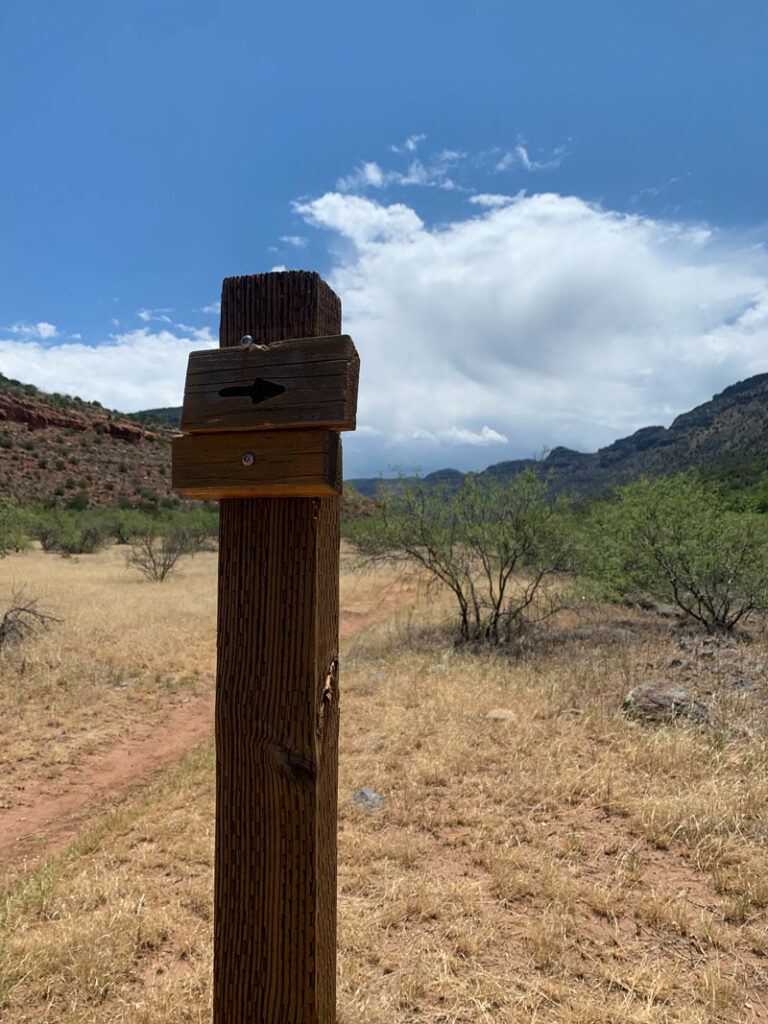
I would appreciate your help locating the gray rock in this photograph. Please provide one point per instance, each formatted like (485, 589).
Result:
(367, 799)
(667, 611)
(660, 702)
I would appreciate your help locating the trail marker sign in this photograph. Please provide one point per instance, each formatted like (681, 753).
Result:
(261, 418)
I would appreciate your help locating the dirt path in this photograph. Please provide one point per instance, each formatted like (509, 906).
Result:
(48, 822)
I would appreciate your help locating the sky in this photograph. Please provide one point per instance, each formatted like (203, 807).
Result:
(547, 222)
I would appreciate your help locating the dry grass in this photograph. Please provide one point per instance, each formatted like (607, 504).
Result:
(549, 862)
(123, 651)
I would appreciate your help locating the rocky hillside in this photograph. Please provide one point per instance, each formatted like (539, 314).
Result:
(726, 437)
(54, 446)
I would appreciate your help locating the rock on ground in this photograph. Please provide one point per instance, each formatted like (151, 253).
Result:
(661, 701)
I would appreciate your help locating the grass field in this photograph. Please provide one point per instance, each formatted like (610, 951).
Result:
(538, 856)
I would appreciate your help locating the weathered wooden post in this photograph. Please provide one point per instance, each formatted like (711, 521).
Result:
(260, 422)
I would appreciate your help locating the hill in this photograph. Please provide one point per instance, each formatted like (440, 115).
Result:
(58, 448)
(726, 438)
(55, 446)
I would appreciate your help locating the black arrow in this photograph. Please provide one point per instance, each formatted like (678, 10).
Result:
(259, 391)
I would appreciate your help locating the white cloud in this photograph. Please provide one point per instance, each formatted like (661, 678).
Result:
(519, 157)
(493, 199)
(410, 144)
(529, 322)
(360, 220)
(298, 240)
(158, 315)
(278, 269)
(554, 320)
(435, 173)
(213, 307)
(460, 435)
(41, 330)
(135, 370)
(367, 175)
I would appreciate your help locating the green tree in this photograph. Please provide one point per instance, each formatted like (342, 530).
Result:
(492, 544)
(15, 526)
(678, 540)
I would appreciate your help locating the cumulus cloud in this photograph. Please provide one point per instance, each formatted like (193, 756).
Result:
(524, 322)
(139, 369)
(213, 307)
(539, 321)
(298, 240)
(362, 221)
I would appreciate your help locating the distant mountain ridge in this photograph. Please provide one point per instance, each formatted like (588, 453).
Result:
(725, 437)
(56, 447)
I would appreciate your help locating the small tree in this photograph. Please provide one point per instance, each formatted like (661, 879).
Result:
(677, 540)
(156, 556)
(491, 543)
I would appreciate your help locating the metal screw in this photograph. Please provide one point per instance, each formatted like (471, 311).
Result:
(246, 340)
(248, 459)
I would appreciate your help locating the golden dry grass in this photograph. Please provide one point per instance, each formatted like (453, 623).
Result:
(538, 856)
(122, 652)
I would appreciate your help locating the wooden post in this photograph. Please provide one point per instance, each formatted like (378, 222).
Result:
(277, 713)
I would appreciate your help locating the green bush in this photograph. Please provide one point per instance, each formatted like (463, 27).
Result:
(15, 526)
(678, 540)
(492, 544)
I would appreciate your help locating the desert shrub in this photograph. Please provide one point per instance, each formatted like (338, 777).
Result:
(69, 531)
(678, 540)
(20, 619)
(156, 556)
(15, 526)
(491, 543)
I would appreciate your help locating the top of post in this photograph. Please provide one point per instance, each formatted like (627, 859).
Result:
(272, 307)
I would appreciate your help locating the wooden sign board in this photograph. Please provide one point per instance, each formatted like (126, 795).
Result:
(305, 382)
(257, 463)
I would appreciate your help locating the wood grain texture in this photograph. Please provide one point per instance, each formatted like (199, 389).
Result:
(286, 463)
(318, 378)
(277, 715)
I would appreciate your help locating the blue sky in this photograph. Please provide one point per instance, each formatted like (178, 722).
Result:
(546, 222)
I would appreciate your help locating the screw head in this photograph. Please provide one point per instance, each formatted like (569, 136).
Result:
(248, 459)
(246, 340)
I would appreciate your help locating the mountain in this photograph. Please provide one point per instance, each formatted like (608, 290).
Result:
(726, 438)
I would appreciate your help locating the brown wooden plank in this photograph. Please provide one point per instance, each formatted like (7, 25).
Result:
(314, 380)
(276, 723)
(286, 463)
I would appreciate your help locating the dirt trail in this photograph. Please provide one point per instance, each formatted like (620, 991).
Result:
(48, 822)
